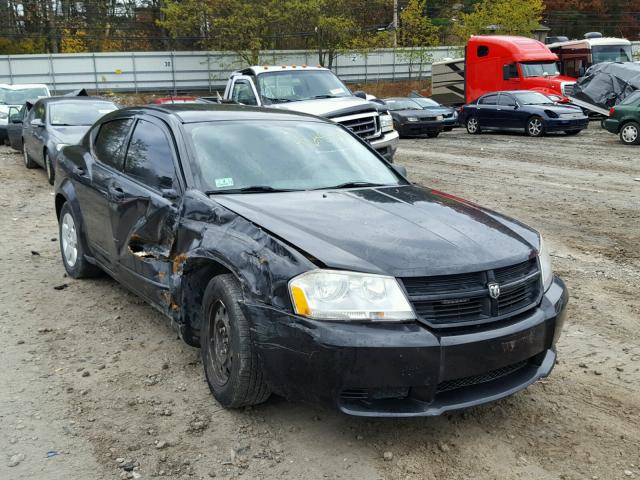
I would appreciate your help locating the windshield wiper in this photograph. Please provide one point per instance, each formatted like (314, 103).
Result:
(352, 185)
(277, 100)
(326, 95)
(251, 189)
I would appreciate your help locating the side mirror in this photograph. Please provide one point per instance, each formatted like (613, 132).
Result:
(402, 170)
(516, 106)
(36, 122)
(170, 194)
(360, 94)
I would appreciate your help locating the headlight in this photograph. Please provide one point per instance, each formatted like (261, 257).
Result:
(340, 295)
(4, 115)
(386, 122)
(412, 119)
(546, 270)
(60, 146)
(439, 117)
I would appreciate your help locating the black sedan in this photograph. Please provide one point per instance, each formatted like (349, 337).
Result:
(55, 122)
(302, 263)
(532, 112)
(449, 114)
(411, 120)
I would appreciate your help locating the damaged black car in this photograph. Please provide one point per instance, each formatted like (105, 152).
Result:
(304, 264)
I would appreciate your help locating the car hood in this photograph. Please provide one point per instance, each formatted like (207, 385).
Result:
(422, 113)
(439, 110)
(329, 107)
(557, 108)
(69, 135)
(399, 231)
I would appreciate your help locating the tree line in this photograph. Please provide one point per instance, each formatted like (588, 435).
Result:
(248, 26)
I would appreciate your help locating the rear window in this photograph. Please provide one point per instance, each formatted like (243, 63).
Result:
(109, 145)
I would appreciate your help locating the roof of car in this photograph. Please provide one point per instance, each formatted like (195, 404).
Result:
(193, 112)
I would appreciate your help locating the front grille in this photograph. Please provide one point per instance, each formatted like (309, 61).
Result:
(567, 89)
(456, 300)
(478, 379)
(364, 125)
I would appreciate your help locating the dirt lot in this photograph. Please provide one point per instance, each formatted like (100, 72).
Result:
(95, 383)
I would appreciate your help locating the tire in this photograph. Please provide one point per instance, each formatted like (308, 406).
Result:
(572, 132)
(72, 247)
(473, 125)
(630, 133)
(535, 127)
(231, 364)
(28, 162)
(433, 135)
(48, 167)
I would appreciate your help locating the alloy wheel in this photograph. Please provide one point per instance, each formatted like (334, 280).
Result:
(220, 347)
(629, 134)
(535, 127)
(69, 238)
(472, 125)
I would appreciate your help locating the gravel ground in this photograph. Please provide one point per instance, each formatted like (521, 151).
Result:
(95, 385)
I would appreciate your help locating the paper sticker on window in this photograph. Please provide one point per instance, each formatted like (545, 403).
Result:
(224, 182)
(336, 91)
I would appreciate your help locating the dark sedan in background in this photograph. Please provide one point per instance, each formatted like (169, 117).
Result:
(55, 122)
(304, 264)
(532, 112)
(411, 120)
(449, 114)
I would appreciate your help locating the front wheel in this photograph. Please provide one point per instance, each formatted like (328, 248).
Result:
(28, 162)
(572, 132)
(630, 133)
(535, 127)
(473, 125)
(51, 174)
(72, 247)
(231, 364)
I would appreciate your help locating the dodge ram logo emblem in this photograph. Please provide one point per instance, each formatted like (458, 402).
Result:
(494, 290)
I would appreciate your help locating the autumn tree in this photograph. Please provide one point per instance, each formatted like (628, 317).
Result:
(416, 34)
(506, 17)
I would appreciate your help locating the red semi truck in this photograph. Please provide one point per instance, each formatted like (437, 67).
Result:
(495, 62)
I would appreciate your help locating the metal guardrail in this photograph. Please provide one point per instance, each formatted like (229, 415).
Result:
(201, 71)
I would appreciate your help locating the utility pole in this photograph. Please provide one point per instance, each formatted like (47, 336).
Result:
(395, 23)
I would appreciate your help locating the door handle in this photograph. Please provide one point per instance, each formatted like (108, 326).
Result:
(116, 192)
(79, 171)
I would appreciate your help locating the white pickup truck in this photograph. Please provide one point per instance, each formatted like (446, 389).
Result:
(317, 91)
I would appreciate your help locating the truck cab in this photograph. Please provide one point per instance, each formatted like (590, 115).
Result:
(317, 91)
(496, 62)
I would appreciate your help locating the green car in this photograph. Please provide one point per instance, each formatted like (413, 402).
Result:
(624, 119)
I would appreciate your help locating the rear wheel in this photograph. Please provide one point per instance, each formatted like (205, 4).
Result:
(535, 127)
(572, 132)
(473, 125)
(27, 159)
(72, 247)
(630, 133)
(49, 168)
(231, 364)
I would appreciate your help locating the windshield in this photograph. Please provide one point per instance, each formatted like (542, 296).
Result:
(292, 86)
(532, 98)
(539, 69)
(10, 96)
(611, 53)
(78, 113)
(426, 102)
(402, 104)
(283, 155)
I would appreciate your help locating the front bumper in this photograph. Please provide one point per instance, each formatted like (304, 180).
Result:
(387, 144)
(407, 369)
(411, 129)
(611, 125)
(560, 125)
